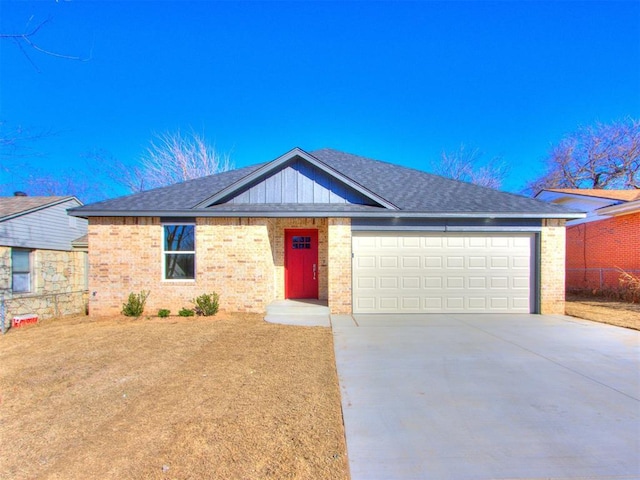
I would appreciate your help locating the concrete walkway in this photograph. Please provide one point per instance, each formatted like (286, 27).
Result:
(301, 312)
(488, 397)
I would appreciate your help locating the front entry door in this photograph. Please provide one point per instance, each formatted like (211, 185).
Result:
(301, 263)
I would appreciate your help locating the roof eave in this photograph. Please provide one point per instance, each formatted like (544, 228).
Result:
(218, 213)
(620, 209)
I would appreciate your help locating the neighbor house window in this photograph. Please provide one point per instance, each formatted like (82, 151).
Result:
(179, 252)
(20, 270)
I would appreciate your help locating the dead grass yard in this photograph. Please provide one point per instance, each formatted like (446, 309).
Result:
(621, 314)
(226, 397)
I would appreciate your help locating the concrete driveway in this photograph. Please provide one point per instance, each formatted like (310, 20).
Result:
(488, 397)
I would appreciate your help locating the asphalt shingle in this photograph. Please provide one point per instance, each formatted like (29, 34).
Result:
(411, 190)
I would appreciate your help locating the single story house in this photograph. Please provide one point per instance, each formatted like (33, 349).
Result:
(364, 235)
(40, 271)
(606, 241)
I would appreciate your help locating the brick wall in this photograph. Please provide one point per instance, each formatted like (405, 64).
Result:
(609, 244)
(552, 269)
(340, 265)
(240, 259)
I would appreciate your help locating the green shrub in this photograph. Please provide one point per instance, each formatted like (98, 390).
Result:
(164, 313)
(207, 304)
(135, 304)
(186, 312)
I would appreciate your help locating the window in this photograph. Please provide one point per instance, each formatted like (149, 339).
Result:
(301, 243)
(20, 270)
(179, 252)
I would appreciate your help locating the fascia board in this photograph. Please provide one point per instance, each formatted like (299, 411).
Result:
(280, 161)
(620, 209)
(202, 213)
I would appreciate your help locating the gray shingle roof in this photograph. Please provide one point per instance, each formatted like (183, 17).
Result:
(414, 192)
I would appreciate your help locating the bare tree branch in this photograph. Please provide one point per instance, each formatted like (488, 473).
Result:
(173, 158)
(466, 164)
(598, 156)
(22, 39)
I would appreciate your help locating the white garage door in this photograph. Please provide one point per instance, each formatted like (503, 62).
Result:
(442, 272)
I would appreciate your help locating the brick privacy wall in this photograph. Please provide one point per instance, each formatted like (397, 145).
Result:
(552, 267)
(240, 259)
(340, 266)
(58, 285)
(610, 243)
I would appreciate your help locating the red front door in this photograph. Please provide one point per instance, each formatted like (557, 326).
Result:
(301, 263)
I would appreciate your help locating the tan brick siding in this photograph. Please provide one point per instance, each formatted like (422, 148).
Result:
(57, 284)
(240, 259)
(552, 267)
(340, 296)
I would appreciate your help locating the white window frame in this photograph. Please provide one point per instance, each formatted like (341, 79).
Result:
(29, 273)
(177, 252)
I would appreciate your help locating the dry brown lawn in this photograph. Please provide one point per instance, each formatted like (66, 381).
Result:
(226, 397)
(622, 314)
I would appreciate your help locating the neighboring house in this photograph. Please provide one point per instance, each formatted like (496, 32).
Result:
(604, 243)
(40, 271)
(364, 235)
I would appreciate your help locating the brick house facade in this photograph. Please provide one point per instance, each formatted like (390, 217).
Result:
(606, 242)
(236, 225)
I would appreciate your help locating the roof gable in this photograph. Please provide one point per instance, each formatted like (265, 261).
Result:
(296, 178)
(11, 207)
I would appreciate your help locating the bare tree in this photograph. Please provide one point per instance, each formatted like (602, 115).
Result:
(599, 156)
(467, 165)
(174, 157)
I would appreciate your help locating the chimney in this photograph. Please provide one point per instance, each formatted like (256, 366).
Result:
(19, 194)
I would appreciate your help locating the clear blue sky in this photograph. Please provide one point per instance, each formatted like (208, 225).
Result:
(396, 81)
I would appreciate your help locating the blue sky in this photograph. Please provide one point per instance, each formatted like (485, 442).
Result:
(395, 81)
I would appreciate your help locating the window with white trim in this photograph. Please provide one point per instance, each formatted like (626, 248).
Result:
(20, 270)
(179, 252)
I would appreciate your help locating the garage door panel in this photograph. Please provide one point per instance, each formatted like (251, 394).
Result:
(389, 303)
(432, 262)
(433, 282)
(477, 262)
(411, 282)
(389, 282)
(411, 262)
(441, 272)
(477, 282)
(477, 303)
(454, 262)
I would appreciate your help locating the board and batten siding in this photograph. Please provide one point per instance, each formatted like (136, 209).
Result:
(49, 228)
(300, 182)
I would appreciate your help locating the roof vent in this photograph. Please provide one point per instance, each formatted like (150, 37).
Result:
(19, 194)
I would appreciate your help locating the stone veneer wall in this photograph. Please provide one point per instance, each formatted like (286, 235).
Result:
(57, 281)
(241, 259)
(552, 267)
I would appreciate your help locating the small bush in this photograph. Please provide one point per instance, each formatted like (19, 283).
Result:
(186, 312)
(207, 304)
(135, 304)
(629, 287)
(164, 313)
